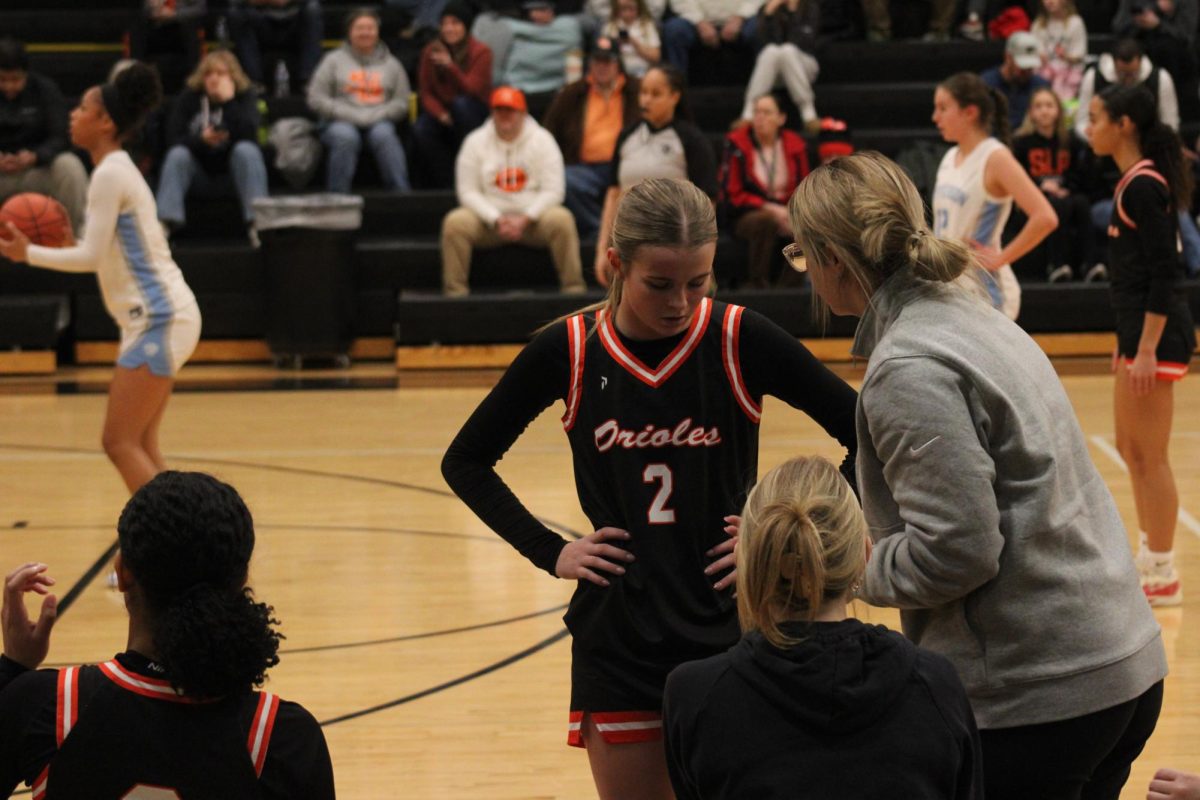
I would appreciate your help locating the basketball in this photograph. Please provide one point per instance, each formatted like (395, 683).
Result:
(41, 218)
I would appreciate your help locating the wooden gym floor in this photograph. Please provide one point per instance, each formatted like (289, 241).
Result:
(433, 653)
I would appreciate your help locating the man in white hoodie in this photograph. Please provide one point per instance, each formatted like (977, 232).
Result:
(510, 184)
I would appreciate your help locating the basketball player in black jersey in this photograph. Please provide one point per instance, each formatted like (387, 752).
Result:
(175, 715)
(1155, 331)
(663, 390)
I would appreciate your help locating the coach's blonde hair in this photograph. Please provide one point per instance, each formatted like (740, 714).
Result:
(863, 211)
(224, 58)
(802, 544)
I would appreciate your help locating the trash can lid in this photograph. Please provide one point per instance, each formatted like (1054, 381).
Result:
(325, 211)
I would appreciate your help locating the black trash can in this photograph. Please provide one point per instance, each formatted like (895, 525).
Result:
(308, 251)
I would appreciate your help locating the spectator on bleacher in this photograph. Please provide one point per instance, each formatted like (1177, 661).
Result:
(764, 162)
(1017, 77)
(34, 152)
(453, 82)
(879, 20)
(585, 119)
(509, 181)
(168, 33)
(1059, 161)
(1063, 37)
(597, 13)
(535, 61)
(1166, 30)
(1128, 65)
(810, 695)
(360, 91)
(294, 27)
(213, 131)
(787, 31)
(710, 23)
(633, 27)
(178, 707)
(661, 145)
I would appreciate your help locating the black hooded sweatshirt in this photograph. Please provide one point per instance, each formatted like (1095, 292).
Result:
(853, 710)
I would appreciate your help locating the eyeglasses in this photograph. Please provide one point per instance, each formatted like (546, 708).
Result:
(795, 257)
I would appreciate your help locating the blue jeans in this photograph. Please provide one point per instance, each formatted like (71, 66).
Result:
(437, 144)
(344, 141)
(180, 170)
(1189, 236)
(679, 37)
(586, 186)
(300, 35)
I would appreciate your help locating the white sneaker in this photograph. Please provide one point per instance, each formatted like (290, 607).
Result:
(1098, 272)
(1062, 273)
(1162, 588)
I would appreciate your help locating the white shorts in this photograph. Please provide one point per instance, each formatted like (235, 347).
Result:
(163, 343)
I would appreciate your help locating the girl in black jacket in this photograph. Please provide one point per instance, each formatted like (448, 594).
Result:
(811, 703)
(213, 131)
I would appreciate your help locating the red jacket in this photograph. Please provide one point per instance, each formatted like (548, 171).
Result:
(437, 87)
(740, 189)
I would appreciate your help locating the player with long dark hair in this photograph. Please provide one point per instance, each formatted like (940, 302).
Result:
(663, 389)
(177, 709)
(1155, 332)
(143, 289)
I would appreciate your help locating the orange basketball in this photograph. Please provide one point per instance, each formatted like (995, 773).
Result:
(41, 218)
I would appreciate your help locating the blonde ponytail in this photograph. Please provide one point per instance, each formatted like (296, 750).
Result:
(802, 545)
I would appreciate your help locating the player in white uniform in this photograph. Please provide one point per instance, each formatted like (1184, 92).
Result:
(142, 286)
(977, 182)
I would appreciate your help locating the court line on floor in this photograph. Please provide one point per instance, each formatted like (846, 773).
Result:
(479, 673)
(1185, 517)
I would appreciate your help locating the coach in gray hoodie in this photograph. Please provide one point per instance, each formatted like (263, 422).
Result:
(994, 533)
(361, 91)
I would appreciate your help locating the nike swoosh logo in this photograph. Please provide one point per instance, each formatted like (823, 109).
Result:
(915, 450)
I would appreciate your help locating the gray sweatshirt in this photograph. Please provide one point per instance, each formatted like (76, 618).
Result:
(358, 89)
(994, 534)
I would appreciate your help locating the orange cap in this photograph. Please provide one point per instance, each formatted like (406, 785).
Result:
(509, 97)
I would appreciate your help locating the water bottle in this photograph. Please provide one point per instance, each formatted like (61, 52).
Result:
(281, 79)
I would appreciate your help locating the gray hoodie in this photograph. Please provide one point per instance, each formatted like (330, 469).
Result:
(994, 534)
(358, 89)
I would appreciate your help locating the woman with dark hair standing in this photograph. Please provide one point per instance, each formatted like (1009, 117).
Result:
(979, 180)
(1155, 332)
(177, 710)
(664, 144)
(143, 289)
(994, 533)
(663, 388)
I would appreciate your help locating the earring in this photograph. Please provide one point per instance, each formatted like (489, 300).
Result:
(855, 587)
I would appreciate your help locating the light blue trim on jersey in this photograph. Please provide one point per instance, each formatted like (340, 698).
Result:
(152, 348)
(985, 228)
(158, 303)
(995, 293)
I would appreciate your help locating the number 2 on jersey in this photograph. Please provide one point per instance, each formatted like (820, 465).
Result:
(659, 514)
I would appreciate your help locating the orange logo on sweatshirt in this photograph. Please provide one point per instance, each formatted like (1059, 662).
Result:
(365, 86)
(511, 179)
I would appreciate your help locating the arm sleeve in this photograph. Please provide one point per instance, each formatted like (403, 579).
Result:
(103, 206)
(466, 183)
(477, 80)
(1168, 101)
(297, 763)
(735, 180)
(553, 178)
(537, 377)
(774, 363)
(1146, 202)
(244, 127)
(701, 163)
(940, 476)
(26, 706)
(55, 110)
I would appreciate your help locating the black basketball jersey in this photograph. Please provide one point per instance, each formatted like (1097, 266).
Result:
(664, 451)
(122, 734)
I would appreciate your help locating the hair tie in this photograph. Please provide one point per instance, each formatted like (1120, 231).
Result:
(914, 239)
